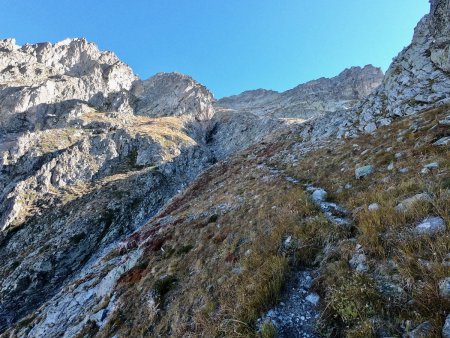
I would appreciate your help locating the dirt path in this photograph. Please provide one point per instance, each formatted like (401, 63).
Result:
(297, 313)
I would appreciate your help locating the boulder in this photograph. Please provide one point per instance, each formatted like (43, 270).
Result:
(313, 298)
(444, 288)
(373, 207)
(399, 155)
(319, 195)
(362, 172)
(432, 166)
(370, 127)
(406, 204)
(446, 328)
(442, 141)
(385, 121)
(358, 261)
(424, 330)
(431, 226)
(445, 121)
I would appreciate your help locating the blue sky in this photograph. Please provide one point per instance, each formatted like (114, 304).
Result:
(228, 45)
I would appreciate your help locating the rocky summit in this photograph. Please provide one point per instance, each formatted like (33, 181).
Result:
(147, 208)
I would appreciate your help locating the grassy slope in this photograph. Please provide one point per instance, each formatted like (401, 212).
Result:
(214, 258)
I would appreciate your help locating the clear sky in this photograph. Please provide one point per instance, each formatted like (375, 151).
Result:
(228, 45)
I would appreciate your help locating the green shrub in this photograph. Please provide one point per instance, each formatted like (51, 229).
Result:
(163, 286)
(185, 249)
(364, 330)
(213, 218)
(268, 330)
(76, 239)
(353, 298)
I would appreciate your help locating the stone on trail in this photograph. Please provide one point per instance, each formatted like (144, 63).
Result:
(431, 226)
(362, 172)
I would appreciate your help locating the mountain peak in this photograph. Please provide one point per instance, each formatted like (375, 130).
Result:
(173, 94)
(8, 45)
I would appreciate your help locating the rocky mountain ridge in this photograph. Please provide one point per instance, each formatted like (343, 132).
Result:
(416, 80)
(310, 99)
(122, 222)
(245, 119)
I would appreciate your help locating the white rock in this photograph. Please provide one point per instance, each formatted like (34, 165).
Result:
(370, 128)
(444, 288)
(319, 195)
(421, 331)
(442, 141)
(373, 207)
(359, 260)
(385, 121)
(362, 172)
(287, 241)
(446, 328)
(431, 226)
(313, 298)
(365, 152)
(445, 121)
(431, 166)
(409, 202)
